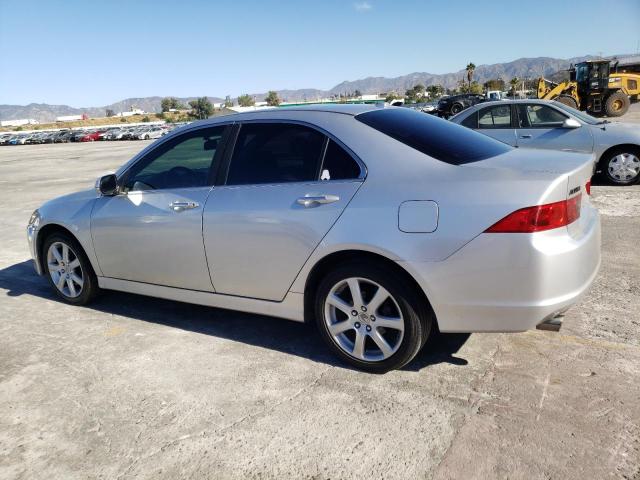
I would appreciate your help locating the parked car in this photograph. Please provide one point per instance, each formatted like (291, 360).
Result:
(379, 224)
(553, 125)
(149, 133)
(62, 136)
(454, 104)
(91, 136)
(77, 135)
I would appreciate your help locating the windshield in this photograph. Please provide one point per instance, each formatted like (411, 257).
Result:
(577, 113)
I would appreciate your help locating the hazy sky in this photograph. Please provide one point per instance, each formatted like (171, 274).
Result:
(92, 53)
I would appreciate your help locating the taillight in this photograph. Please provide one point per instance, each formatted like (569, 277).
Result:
(587, 187)
(540, 217)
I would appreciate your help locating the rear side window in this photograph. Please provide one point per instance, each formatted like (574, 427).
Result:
(471, 121)
(275, 153)
(338, 164)
(443, 140)
(498, 116)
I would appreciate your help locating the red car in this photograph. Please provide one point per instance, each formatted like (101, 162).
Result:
(91, 137)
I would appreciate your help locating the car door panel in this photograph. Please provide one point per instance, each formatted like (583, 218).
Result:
(152, 232)
(258, 237)
(532, 132)
(140, 237)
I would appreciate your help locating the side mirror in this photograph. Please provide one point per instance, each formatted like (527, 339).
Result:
(108, 185)
(571, 123)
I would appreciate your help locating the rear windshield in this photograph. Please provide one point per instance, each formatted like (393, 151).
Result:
(438, 138)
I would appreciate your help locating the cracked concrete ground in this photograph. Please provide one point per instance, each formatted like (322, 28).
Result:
(134, 387)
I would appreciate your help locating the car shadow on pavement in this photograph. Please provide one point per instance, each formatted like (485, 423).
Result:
(259, 330)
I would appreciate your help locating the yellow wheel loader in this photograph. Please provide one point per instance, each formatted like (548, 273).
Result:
(592, 87)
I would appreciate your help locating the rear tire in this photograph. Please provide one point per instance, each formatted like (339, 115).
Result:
(382, 332)
(621, 166)
(68, 269)
(616, 105)
(567, 100)
(456, 108)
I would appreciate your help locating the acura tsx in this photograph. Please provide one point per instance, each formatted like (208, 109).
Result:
(381, 225)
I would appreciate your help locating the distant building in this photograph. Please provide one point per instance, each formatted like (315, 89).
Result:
(71, 118)
(133, 111)
(19, 122)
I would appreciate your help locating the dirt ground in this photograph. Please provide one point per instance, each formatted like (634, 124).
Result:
(133, 387)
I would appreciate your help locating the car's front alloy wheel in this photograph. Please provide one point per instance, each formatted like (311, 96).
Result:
(622, 167)
(371, 317)
(65, 269)
(69, 270)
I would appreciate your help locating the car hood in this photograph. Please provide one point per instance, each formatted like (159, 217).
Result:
(617, 132)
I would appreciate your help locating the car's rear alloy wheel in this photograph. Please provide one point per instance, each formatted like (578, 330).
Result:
(69, 270)
(371, 317)
(367, 330)
(65, 269)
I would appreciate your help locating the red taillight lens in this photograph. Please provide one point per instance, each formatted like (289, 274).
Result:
(540, 217)
(587, 187)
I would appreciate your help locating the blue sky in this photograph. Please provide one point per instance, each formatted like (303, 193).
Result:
(85, 53)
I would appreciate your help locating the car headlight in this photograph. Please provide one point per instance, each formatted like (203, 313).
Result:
(34, 219)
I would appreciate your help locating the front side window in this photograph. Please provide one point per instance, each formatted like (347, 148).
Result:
(495, 117)
(540, 116)
(182, 162)
(275, 153)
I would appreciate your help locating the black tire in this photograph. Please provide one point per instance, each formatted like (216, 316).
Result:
(567, 100)
(456, 108)
(417, 316)
(90, 287)
(616, 105)
(606, 166)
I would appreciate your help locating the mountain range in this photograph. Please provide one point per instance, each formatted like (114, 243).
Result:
(521, 68)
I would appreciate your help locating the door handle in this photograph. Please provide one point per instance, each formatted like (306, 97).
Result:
(180, 206)
(525, 136)
(315, 200)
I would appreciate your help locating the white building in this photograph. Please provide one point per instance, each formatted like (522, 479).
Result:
(70, 118)
(19, 122)
(133, 111)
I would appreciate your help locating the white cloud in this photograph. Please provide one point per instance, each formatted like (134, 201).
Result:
(362, 6)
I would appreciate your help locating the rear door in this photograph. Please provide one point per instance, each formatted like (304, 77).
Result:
(540, 126)
(496, 121)
(285, 186)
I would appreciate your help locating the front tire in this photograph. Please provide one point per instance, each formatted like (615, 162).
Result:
(568, 100)
(371, 318)
(68, 269)
(621, 166)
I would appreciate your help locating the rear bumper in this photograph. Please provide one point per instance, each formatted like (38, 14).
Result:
(511, 282)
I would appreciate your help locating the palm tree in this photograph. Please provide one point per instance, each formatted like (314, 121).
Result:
(514, 84)
(470, 69)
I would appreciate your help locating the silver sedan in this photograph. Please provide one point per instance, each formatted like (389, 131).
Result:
(552, 125)
(378, 224)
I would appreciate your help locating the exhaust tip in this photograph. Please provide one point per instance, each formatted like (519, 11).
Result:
(551, 325)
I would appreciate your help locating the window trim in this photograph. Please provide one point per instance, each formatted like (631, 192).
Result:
(221, 179)
(123, 177)
(541, 127)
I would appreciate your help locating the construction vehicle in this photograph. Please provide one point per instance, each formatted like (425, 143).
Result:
(592, 87)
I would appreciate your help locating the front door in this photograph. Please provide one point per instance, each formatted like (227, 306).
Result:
(152, 231)
(541, 126)
(286, 186)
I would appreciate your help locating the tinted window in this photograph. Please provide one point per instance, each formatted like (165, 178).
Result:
(495, 117)
(338, 164)
(438, 138)
(181, 162)
(275, 153)
(540, 116)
